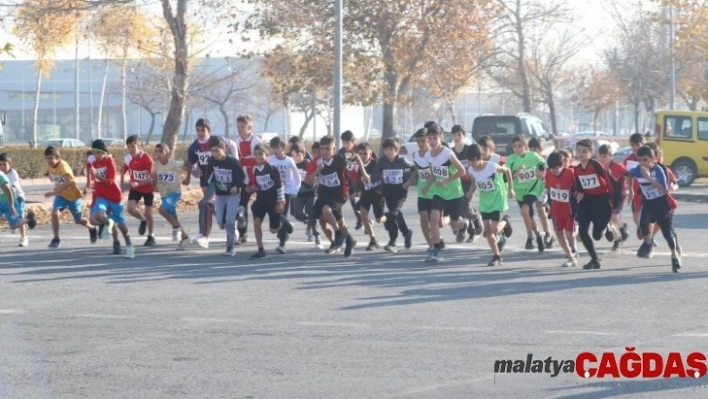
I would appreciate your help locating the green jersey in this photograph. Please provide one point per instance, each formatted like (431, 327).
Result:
(442, 167)
(492, 190)
(528, 181)
(3, 181)
(423, 169)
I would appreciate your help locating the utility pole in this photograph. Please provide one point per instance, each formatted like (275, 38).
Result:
(78, 101)
(672, 43)
(337, 70)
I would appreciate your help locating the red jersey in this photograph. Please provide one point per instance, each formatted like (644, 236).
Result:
(139, 168)
(245, 152)
(561, 190)
(595, 179)
(106, 168)
(619, 172)
(312, 166)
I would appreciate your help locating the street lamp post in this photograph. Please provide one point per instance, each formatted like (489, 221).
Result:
(337, 69)
(672, 42)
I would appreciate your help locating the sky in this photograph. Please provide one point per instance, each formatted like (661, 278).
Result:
(591, 17)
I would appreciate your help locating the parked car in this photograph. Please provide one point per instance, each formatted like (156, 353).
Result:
(683, 138)
(598, 138)
(503, 128)
(114, 142)
(410, 147)
(63, 143)
(620, 155)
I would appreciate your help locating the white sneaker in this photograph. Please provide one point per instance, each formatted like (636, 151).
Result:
(571, 262)
(240, 217)
(24, 241)
(176, 233)
(202, 242)
(183, 244)
(230, 252)
(281, 249)
(130, 252)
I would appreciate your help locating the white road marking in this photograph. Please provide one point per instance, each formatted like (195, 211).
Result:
(691, 335)
(211, 320)
(333, 324)
(580, 332)
(102, 316)
(443, 328)
(11, 311)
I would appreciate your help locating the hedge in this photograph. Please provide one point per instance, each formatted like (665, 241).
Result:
(30, 164)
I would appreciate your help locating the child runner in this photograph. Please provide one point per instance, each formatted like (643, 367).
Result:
(311, 179)
(348, 152)
(488, 148)
(296, 140)
(166, 173)
(90, 183)
(291, 179)
(270, 200)
(246, 144)
(526, 168)
(475, 228)
(636, 141)
(618, 232)
(198, 155)
(597, 196)
(421, 175)
(66, 195)
(370, 196)
(139, 164)
(108, 196)
(673, 186)
(542, 202)
(6, 167)
(446, 172)
(305, 199)
(229, 179)
(395, 174)
(656, 206)
(10, 204)
(560, 183)
(332, 190)
(493, 195)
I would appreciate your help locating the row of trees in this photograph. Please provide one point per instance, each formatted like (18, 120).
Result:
(396, 52)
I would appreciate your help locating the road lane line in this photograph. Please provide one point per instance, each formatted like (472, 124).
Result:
(102, 316)
(11, 311)
(580, 332)
(332, 324)
(212, 320)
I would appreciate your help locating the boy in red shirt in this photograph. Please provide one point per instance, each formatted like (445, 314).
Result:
(108, 196)
(138, 164)
(597, 196)
(619, 172)
(246, 143)
(560, 184)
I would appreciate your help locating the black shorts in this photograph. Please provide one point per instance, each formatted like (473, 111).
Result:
(395, 201)
(136, 196)
(370, 199)
(260, 209)
(495, 216)
(448, 207)
(334, 205)
(425, 205)
(530, 200)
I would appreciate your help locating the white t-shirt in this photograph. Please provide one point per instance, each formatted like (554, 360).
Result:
(288, 173)
(15, 182)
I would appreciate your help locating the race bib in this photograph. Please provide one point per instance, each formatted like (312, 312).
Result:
(424, 174)
(393, 176)
(441, 172)
(166, 177)
(352, 165)
(559, 195)
(650, 192)
(485, 185)
(203, 157)
(264, 182)
(331, 180)
(527, 175)
(222, 175)
(101, 172)
(57, 179)
(589, 182)
(141, 175)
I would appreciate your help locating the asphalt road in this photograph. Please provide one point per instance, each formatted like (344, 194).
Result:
(80, 322)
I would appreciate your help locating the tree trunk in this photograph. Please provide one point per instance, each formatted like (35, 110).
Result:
(523, 77)
(267, 120)
(180, 79)
(389, 115)
(186, 124)
(103, 96)
(636, 118)
(123, 75)
(35, 117)
(226, 120)
(152, 127)
(303, 128)
(594, 119)
(451, 106)
(552, 112)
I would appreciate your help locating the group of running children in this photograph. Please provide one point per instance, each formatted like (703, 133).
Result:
(574, 190)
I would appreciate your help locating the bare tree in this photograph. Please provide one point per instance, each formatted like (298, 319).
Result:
(148, 90)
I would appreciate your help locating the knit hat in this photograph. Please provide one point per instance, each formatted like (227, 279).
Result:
(99, 145)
